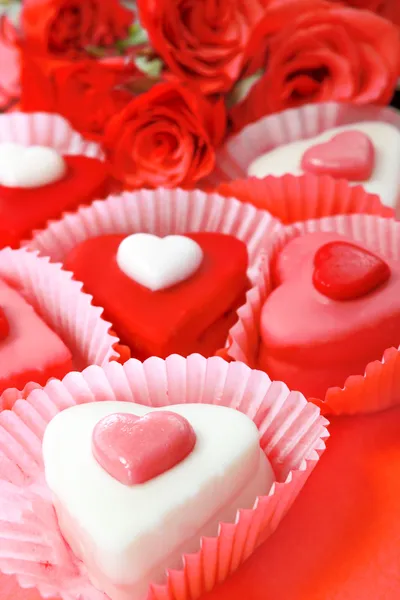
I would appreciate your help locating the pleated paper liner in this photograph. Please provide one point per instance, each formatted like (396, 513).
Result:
(44, 129)
(161, 212)
(65, 308)
(235, 157)
(293, 198)
(292, 435)
(377, 388)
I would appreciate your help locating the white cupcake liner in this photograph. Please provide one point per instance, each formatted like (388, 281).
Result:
(65, 308)
(240, 150)
(292, 434)
(45, 129)
(161, 212)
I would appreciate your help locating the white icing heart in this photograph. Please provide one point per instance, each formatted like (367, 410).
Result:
(128, 535)
(385, 178)
(29, 166)
(158, 263)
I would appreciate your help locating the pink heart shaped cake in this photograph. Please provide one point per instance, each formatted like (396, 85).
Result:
(335, 308)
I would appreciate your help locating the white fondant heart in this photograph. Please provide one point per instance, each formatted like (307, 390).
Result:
(385, 178)
(29, 166)
(158, 263)
(128, 535)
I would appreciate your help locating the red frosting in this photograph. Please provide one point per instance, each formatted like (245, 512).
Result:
(23, 210)
(4, 325)
(345, 271)
(348, 155)
(136, 449)
(313, 342)
(192, 316)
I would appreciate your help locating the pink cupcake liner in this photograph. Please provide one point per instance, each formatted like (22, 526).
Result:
(66, 309)
(293, 198)
(375, 389)
(161, 212)
(235, 157)
(292, 434)
(45, 129)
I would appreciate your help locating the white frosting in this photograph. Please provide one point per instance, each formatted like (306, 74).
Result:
(128, 536)
(385, 178)
(29, 166)
(158, 263)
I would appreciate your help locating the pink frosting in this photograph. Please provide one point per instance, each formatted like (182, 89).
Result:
(313, 342)
(31, 347)
(136, 449)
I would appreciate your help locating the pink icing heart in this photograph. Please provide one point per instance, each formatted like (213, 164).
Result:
(136, 449)
(348, 155)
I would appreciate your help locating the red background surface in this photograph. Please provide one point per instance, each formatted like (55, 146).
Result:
(341, 539)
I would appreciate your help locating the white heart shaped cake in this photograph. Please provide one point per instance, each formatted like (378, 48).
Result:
(135, 488)
(29, 167)
(366, 153)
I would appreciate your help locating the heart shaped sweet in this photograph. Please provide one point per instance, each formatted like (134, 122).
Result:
(345, 271)
(25, 209)
(383, 180)
(128, 535)
(158, 263)
(29, 167)
(313, 341)
(348, 155)
(193, 315)
(136, 449)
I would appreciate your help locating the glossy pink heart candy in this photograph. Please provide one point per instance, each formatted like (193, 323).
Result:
(348, 155)
(135, 449)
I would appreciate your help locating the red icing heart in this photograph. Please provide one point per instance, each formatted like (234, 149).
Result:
(349, 155)
(135, 449)
(193, 316)
(344, 271)
(23, 210)
(4, 326)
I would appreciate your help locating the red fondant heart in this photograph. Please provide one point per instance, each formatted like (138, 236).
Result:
(134, 450)
(23, 210)
(349, 155)
(344, 271)
(193, 316)
(4, 326)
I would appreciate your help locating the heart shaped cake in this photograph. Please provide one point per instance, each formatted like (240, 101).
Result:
(38, 184)
(29, 349)
(335, 309)
(177, 294)
(135, 488)
(365, 152)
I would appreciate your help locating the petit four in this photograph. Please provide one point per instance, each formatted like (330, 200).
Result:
(177, 294)
(37, 184)
(365, 152)
(29, 349)
(135, 488)
(335, 308)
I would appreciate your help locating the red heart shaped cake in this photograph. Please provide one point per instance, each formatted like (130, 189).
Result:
(335, 308)
(177, 294)
(28, 207)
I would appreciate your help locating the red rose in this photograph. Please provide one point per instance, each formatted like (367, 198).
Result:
(66, 27)
(316, 51)
(10, 64)
(86, 92)
(389, 9)
(201, 40)
(165, 137)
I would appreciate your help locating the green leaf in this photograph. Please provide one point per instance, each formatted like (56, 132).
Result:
(152, 68)
(137, 37)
